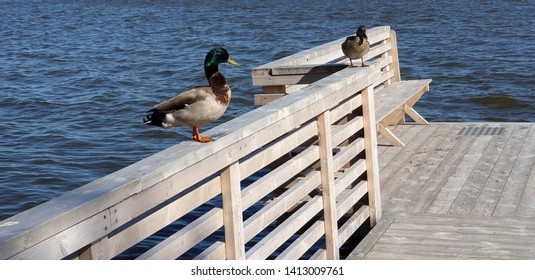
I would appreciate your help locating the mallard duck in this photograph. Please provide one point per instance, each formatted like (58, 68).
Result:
(198, 106)
(355, 47)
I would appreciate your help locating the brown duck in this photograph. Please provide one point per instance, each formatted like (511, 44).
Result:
(355, 47)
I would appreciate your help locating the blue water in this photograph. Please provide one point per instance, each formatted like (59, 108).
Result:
(76, 78)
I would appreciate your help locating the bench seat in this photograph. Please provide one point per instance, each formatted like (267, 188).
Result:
(396, 100)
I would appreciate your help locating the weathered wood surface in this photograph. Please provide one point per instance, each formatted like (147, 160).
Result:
(452, 194)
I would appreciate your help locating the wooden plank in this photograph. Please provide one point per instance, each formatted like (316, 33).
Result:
(349, 227)
(450, 189)
(346, 108)
(526, 205)
(398, 165)
(327, 186)
(494, 186)
(395, 57)
(368, 242)
(414, 115)
(308, 66)
(286, 201)
(414, 174)
(389, 136)
(387, 153)
(386, 74)
(214, 252)
(348, 199)
(344, 132)
(378, 50)
(279, 176)
(289, 79)
(300, 246)
(276, 150)
(232, 212)
(307, 69)
(471, 233)
(184, 239)
(99, 250)
(352, 173)
(353, 223)
(422, 251)
(280, 89)
(69, 240)
(263, 99)
(285, 230)
(430, 168)
(465, 201)
(465, 221)
(314, 233)
(137, 232)
(372, 166)
(394, 96)
(319, 255)
(461, 242)
(428, 236)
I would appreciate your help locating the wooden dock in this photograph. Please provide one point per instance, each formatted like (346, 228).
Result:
(456, 191)
(298, 179)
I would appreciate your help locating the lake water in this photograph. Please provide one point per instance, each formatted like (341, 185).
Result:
(76, 78)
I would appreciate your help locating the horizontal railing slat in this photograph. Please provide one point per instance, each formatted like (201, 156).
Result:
(187, 237)
(285, 230)
(275, 151)
(163, 217)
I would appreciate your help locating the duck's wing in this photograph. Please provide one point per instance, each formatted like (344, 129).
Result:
(350, 39)
(184, 99)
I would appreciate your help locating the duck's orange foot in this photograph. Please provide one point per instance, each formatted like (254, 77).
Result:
(202, 139)
(197, 136)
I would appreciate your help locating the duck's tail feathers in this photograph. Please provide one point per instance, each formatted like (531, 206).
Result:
(154, 117)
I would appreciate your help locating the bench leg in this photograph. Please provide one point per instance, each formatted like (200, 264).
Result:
(389, 136)
(414, 115)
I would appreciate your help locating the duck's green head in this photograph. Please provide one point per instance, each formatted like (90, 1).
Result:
(214, 58)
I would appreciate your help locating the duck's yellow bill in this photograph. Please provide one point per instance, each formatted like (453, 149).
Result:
(232, 61)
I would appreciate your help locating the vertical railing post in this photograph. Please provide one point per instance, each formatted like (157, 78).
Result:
(98, 250)
(394, 66)
(327, 183)
(372, 165)
(232, 212)
(395, 57)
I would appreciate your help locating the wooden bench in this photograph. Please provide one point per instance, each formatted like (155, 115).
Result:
(394, 98)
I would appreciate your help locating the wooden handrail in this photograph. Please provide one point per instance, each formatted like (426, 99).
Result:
(319, 124)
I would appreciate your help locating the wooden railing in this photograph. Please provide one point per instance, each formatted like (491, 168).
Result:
(394, 97)
(313, 159)
(287, 74)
